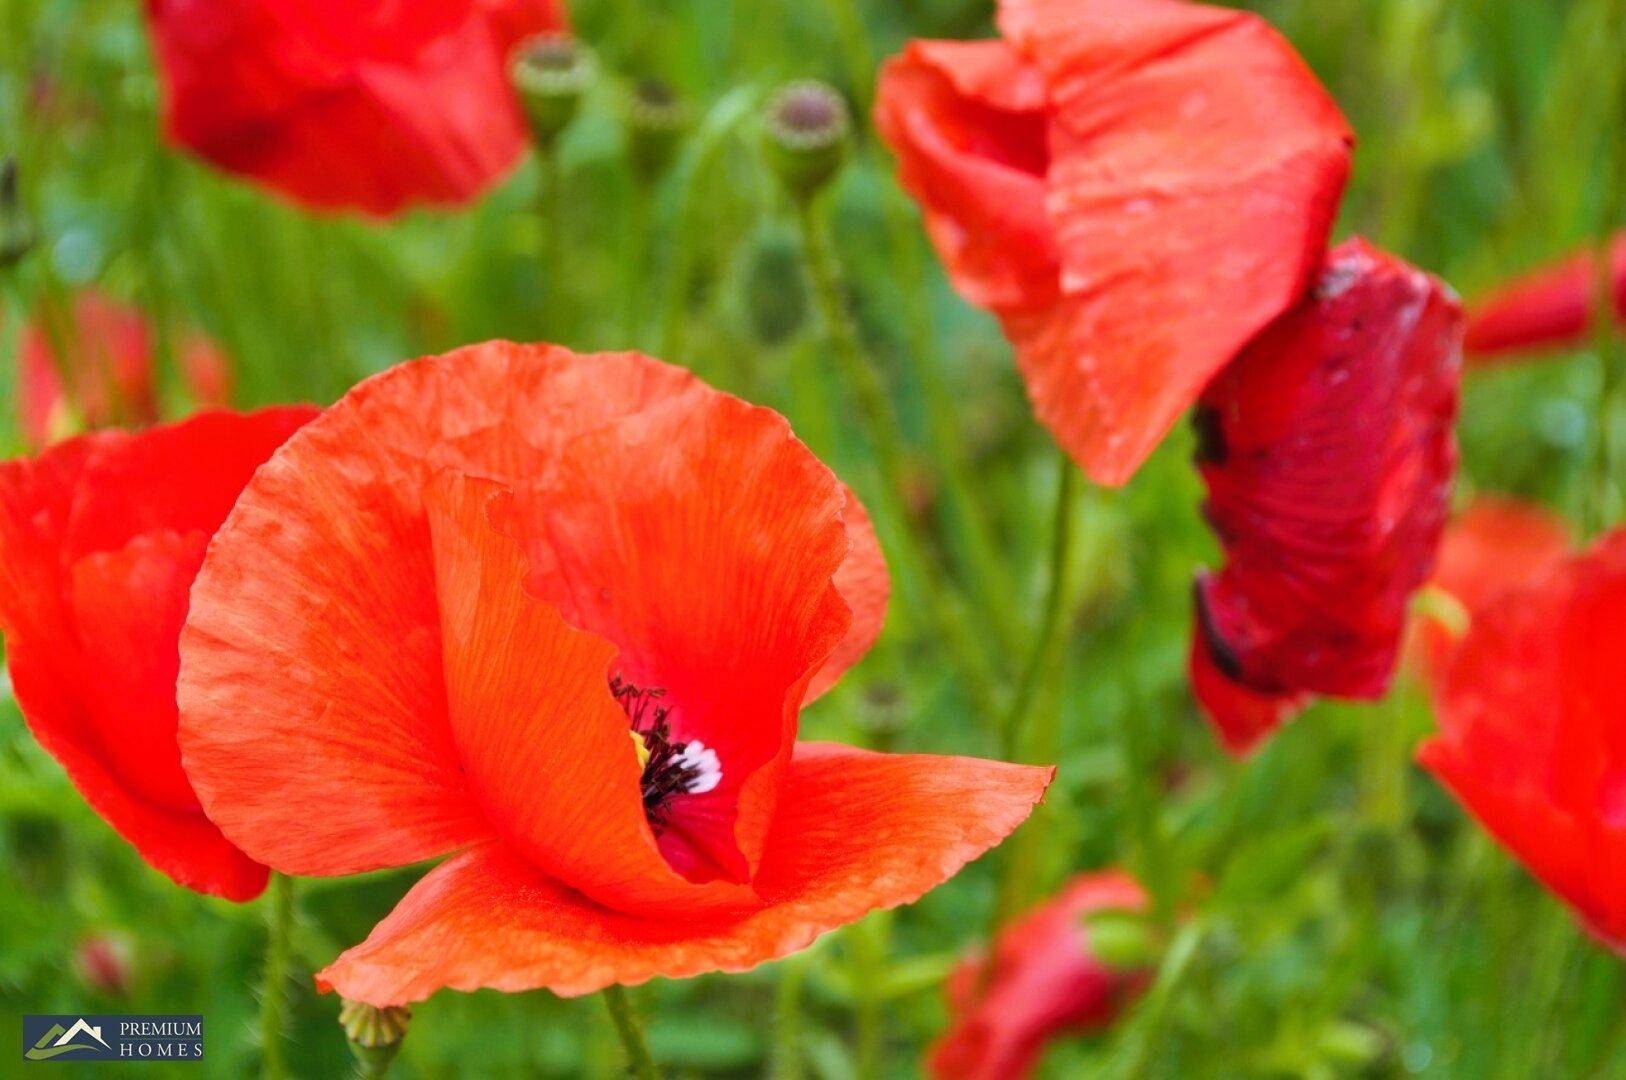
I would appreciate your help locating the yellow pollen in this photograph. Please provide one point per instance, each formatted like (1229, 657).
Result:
(640, 749)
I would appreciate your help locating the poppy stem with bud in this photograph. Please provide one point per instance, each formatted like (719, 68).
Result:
(639, 1061)
(374, 1034)
(274, 991)
(807, 133)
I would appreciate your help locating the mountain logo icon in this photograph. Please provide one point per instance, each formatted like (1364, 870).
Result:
(59, 1040)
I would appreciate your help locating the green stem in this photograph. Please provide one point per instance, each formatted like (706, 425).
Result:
(273, 993)
(865, 382)
(787, 1055)
(637, 259)
(867, 939)
(855, 52)
(1609, 334)
(639, 1063)
(550, 214)
(1047, 641)
(1140, 763)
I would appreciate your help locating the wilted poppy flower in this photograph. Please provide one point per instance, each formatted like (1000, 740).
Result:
(1328, 453)
(346, 106)
(100, 538)
(1531, 739)
(558, 614)
(1042, 981)
(1496, 546)
(1549, 308)
(1135, 187)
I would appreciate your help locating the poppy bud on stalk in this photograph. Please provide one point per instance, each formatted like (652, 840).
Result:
(16, 231)
(807, 132)
(550, 73)
(374, 1034)
(656, 120)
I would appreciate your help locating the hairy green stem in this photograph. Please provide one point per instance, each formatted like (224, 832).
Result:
(867, 941)
(865, 382)
(274, 991)
(639, 1062)
(550, 216)
(787, 1053)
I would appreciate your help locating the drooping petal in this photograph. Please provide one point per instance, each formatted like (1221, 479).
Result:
(1546, 309)
(93, 593)
(866, 586)
(1530, 737)
(338, 107)
(1041, 982)
(967, 123)
(1494, 546)
(1328, 454)
(1195, 170)
(1241, 717)
(855, 831)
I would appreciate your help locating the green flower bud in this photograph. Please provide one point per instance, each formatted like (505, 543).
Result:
(808, 127)
(374, 1034)
(656, 121)
(551, 72)
(16, 230)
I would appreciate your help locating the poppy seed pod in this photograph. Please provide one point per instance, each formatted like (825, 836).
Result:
(656, 120)
(374, 1034)
(16, 231)
(808, 126)
(550, 73)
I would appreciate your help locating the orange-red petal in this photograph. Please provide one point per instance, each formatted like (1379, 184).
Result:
(855, 831)
(1545, 309)
(100, 539)
(866, 587)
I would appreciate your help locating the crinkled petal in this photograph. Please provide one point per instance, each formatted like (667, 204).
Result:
(855, 831)
(1196, 166)
(1328, 454)
(866, 587)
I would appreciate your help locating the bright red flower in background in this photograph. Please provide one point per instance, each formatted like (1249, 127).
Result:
(100, 538)
(344, 104)
(1328, 453)
(1494, 547)
(111, 360)
(1531, 736)
(1546, 309)
(558, 614)
(1043, 981)
(1135, 187)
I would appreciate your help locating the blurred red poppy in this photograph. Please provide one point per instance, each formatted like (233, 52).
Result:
(1135, 187)
(1497, 545)
(1547, 309)
(1328, 453)
(559, 614)
(346, 105)
(1531, 739)
(110, 357)
(1043, 981)
(100, 538)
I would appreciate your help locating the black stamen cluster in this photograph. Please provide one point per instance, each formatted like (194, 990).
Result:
(663, 775)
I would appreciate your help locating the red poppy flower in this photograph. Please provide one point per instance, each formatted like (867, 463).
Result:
(1135, 187)
(559, 614)
(1496, 546)
(100, 538)
(1531, 739)
(344, 105)
(1043, 981)
(1328, 454)
(1547, 309)
(110, 358)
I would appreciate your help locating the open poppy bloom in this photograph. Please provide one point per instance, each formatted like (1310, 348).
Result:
(110, 358)
(1136, 188)
(1042, 981)
(1496, 546)
(348, 105)
(1547, 309)
(558, 614)
(1531, 739)
(100, 538)
(1328, 453)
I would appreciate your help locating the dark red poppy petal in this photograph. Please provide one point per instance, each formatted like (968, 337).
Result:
(1242, 718)
(1546, 309)
(1328, 453)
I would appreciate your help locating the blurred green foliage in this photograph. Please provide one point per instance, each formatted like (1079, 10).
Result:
(1343, 918)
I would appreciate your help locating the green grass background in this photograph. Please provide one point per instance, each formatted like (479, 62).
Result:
(1345, 918)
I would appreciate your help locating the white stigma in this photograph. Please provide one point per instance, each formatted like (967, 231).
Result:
(707, 769)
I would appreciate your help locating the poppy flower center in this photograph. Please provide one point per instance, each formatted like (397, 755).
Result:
(670, 767)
